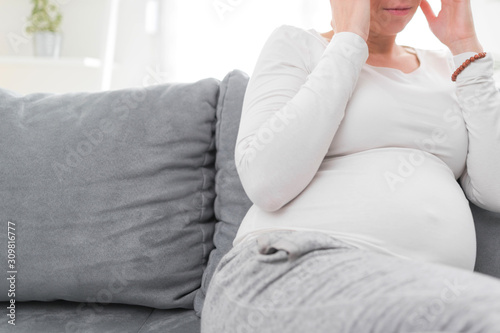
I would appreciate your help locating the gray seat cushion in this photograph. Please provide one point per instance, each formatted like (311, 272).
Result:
(71, 317)
(172, 321)
(111, 193)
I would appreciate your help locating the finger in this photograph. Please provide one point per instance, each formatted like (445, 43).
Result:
(332, 25)
(427, 10)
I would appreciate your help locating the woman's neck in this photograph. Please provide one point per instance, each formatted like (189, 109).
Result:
(384, 46)
(378, 46)
(383, 51)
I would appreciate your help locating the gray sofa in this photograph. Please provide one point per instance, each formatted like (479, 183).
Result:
(122, 203)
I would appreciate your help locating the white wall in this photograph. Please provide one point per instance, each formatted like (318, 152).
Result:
(84, 35)
(197, 38)
(209, 38)
(82, 26)
(135, 49)
(487, 23)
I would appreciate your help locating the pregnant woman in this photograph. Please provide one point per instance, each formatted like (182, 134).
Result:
(359, 156)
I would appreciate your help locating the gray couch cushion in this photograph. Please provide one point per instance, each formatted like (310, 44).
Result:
(231, 202)
(488, 241)
(111, 193)
(72, 317)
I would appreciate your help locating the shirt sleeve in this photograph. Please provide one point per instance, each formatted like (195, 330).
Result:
(290, 113)
(479, 99)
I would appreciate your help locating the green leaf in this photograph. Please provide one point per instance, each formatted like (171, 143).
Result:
(45, 16)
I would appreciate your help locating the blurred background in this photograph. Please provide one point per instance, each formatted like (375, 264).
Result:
(113, 44)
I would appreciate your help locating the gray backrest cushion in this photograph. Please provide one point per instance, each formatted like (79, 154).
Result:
(488, 241)
(231, 202)
(111, 193)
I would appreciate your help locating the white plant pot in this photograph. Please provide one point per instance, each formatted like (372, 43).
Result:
(47, 44)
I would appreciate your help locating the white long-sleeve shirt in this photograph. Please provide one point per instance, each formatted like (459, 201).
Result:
(370, 155)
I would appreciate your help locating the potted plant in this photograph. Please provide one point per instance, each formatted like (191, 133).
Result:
(44, 23)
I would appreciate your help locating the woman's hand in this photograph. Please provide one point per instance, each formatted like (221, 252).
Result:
(454, 25)
(351, 15)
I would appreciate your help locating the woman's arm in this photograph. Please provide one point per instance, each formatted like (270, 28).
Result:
(480, 102)
(478, 97)
(291, 114)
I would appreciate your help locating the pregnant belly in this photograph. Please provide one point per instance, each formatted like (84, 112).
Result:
(399, 201)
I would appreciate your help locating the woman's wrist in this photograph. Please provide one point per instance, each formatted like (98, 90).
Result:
(466, 45)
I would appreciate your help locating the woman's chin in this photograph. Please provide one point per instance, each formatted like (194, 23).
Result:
(389, 24)
(389, 30)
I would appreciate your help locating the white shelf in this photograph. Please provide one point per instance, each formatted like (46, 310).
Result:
(26, 75)
(29, 74)
(86, 62)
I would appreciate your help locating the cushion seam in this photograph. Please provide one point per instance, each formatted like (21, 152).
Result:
(205, 253)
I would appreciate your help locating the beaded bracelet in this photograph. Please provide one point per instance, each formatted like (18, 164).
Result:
(467, 63)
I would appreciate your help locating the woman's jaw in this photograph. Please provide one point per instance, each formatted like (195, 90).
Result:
(387, 19)
(390, 17)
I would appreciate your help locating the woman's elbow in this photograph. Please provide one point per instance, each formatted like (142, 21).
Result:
(492, 206)
(261, 195)
(265, 200)
(491, 203)
(260, 192)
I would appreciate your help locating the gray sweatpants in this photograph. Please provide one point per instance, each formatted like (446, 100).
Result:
(290, 281)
